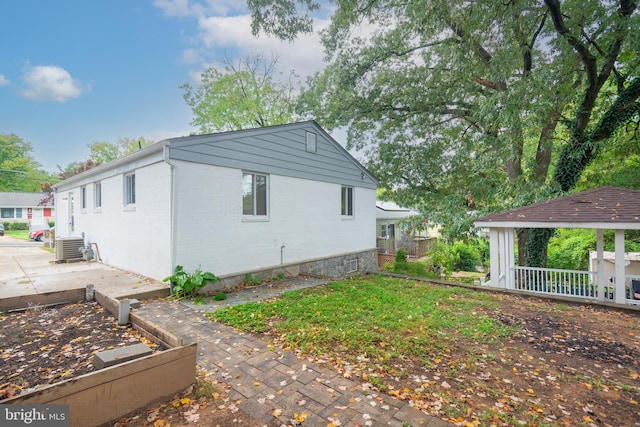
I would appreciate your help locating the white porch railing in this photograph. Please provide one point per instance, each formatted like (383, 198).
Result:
(569, 283)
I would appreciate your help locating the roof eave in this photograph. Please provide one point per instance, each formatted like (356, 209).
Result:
(551, 224)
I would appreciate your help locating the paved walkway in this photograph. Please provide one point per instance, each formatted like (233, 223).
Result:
(265, 379)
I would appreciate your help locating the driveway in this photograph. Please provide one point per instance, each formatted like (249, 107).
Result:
(27, 268)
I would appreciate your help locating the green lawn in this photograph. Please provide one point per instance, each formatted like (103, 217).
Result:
(469, 357)
(376, 317)
(18, 234)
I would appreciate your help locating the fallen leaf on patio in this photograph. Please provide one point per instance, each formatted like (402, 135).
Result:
(300, 417)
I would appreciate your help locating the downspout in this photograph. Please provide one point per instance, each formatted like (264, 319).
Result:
(172, 231)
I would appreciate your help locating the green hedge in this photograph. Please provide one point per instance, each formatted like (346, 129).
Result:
(15, 226)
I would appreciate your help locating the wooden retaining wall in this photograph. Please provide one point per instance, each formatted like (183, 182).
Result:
(111, 393)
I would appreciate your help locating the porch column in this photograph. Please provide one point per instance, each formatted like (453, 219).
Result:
(510, 262)
(494, 257)
(600, 263)
(620, 293)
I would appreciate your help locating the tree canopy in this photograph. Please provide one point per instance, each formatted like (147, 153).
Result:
(103, 151)
(243, 94)
(18, 169)
(477, 106)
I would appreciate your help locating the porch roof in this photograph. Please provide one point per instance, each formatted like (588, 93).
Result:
(600, 208)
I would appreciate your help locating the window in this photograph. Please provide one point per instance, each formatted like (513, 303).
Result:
(83, 197)
(18, 212)
(6, 212)
(130, 189)
(351, 266)
(254, 194)
(312, 142)
(97, 195)
(347, 201)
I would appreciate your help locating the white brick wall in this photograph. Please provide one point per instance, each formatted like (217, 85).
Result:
(304, 216)
(136, 240)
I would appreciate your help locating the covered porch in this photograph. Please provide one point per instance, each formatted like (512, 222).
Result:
(612, 208)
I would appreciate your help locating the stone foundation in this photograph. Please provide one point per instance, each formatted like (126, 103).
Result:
(333, 267)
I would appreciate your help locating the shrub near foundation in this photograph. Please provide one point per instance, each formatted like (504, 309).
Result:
(188, 285)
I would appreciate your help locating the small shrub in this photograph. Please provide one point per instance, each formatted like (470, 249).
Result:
(220, 296)
(401, 264)
(466, 256)
(252, 280)
(186, 285)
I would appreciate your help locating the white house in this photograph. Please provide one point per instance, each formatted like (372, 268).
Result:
(230, 203)
(31, 208)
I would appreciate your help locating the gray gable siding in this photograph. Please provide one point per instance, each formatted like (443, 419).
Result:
(279, 150)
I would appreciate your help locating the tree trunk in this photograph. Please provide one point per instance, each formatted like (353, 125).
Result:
(536, 246)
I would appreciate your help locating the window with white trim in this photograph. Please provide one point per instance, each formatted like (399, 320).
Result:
(83, 197)
(97, 195)
(312, 142)
(347, 201)
(254, 194)
(130, 189)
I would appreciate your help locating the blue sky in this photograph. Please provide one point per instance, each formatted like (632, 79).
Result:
(75, 72)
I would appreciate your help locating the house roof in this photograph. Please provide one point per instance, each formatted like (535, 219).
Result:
(244, 148)
(605, 207)
(22, 200)
(390, 210)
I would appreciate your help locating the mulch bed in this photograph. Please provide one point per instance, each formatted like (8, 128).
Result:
(46, 346)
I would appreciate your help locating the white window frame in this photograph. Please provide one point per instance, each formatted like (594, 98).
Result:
(347, 196)
(312, 142)
(129, 190)
(97, 195)
(254, 215)
(83, 198)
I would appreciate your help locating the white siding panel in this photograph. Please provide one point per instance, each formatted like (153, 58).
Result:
(304, 217)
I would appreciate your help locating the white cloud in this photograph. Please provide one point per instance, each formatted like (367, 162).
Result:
(234, 32)
(3, 80)
(173, 8)
(50, 83)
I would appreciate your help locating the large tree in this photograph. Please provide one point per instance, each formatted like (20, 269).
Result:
(246, 93)
(103, 151)
(479, 105)
(18, 169)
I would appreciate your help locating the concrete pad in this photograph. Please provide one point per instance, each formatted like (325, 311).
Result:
(27, 270)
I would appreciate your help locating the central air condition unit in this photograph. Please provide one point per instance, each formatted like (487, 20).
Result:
(68, 248)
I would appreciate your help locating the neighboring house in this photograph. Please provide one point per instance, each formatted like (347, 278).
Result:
(230, 203)
(395, 232)
(25, 207)
(389, 217)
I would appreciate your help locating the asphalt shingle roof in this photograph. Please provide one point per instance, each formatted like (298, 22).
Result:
(605, 205)
(22, 200)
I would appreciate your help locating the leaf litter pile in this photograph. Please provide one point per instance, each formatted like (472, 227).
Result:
(40, 347)
(468, 357)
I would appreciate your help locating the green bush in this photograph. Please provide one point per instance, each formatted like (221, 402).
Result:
(251, 280)
(401, 261)
(187, 285)
(569, 249)
(15, 226)
(466, 256)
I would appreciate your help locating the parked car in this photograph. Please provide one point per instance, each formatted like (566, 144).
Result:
(37, 232)
(1, 229)
(36, 235)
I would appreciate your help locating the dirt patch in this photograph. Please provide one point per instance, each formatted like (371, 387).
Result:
(565, 365)
(40, 347)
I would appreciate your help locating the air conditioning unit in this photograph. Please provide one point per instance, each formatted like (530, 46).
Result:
(68, 248)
